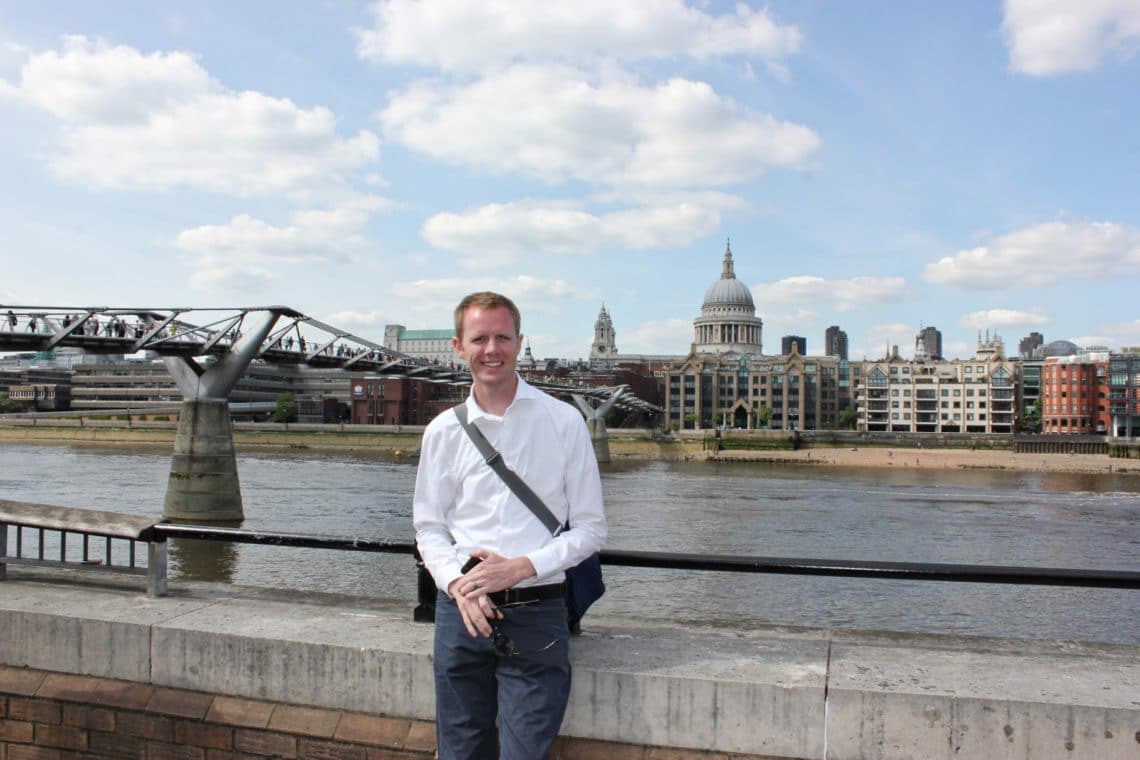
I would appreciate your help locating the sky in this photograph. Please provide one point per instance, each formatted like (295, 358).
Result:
(974, 166)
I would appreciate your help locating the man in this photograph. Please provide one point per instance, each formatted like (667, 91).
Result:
(498, 655)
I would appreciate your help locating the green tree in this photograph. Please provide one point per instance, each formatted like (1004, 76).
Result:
(848, 418)
(690, 421)
(6, 404)
(763, 416)
(1031, 422)
(286, 409)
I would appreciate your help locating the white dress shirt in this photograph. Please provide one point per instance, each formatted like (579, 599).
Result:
(461, 504)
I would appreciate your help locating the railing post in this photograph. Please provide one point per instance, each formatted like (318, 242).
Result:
(3, 550)
(156, 566)
(425, 592)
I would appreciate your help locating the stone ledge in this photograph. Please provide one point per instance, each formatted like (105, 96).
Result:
(640, 688)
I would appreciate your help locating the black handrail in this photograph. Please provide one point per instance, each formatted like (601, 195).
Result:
(910, 571)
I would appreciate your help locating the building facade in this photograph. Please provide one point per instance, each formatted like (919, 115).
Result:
(835, 342)
(792, 392)
(929, 341)
(1027, 346)
(787, 342)
(433, 345)
(960, 396)
(41, 397)
(1124, 394)
(379, 400)
(1030, 394)
(1074, 392)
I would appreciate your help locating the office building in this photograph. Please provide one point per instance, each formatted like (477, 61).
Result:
(798, 341)
(929, 342)
(1075, 394)
(1027, 346)
(835, 342)
(960, 396)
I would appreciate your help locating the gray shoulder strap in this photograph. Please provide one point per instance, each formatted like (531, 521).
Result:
(495, 461)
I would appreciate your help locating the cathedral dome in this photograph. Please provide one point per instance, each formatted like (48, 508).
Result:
(728, 321)
(729, 292)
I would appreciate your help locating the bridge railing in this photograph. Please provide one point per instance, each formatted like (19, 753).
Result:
(837, 568)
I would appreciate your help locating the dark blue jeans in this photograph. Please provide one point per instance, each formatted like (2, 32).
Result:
(526, 691)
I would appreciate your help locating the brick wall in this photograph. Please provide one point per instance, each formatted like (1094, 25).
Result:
(56, 716)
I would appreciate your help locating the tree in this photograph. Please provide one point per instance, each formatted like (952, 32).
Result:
(6, 404)
(848, 418)
(690, 421)
(763, 416)
(286, 409)
(1031, 422)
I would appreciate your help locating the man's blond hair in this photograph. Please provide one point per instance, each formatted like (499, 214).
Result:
(486, 300)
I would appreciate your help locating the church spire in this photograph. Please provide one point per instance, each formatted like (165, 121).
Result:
(728, 273)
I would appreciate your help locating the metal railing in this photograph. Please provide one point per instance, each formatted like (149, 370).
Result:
(836, 568)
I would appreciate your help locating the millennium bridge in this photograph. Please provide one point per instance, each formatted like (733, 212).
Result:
(203, 482)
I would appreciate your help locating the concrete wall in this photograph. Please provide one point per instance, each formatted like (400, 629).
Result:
(790, 694)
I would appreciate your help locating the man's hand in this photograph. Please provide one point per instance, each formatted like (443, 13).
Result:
(494, 573)
(475, 611)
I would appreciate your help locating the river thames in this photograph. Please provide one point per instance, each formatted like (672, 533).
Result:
(965, 516)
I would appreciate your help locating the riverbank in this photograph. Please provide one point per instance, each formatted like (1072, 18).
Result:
(936, 459)
(404, 441)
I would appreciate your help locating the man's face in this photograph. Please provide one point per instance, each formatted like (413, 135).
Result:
(489, 345)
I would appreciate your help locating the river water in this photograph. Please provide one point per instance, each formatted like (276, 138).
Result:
(974, 517)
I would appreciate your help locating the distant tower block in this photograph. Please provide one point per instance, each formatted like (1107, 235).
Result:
(203, 484)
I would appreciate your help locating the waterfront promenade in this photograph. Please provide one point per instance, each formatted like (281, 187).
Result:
(287, 675)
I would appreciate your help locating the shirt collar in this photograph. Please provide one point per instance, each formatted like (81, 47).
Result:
(523, 390)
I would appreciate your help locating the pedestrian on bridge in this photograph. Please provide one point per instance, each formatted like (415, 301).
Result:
(501, 648)
(12, 321)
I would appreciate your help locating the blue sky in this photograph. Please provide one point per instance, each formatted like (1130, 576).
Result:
(973, 166)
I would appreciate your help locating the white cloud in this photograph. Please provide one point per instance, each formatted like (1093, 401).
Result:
(664, 336)
(841, 295)
(458, 35)
(1056, 36)
(1035, 317)
(555, 124)
(247, 251)
(499, 233)
(438, 298)
(158, 120)
(1115, 334)
(1043, 255)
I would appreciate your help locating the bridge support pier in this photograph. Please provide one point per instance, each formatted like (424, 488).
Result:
(203, 484)
(596, 424)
